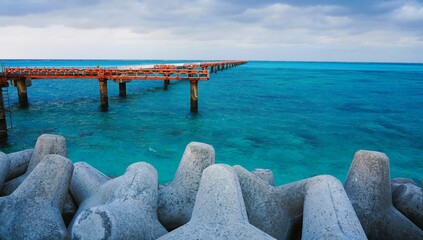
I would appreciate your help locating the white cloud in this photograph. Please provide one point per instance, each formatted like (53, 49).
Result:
(409, 13)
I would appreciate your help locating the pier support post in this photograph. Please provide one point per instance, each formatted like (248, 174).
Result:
(166, 84)
(194, 95)
(3, 122)
(122, 89)
(104, 98)
(22, 92)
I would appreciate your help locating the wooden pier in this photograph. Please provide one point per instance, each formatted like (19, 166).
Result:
(22, 77)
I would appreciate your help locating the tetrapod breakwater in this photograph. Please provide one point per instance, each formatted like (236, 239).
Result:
(44, 195)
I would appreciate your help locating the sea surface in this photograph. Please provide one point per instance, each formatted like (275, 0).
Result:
(299, 119)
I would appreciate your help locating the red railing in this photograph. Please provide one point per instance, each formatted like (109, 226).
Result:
(188, 71)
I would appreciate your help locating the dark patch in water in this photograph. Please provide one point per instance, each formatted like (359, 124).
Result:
(309, 139)
(49, 130)
(274, 97)
(394, 127)
(87, 134)
(175, 132)
(380, 92)
(361, 108)
(259, 141)
(365, 129)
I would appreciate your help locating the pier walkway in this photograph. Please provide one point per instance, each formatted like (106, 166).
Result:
(21, 77)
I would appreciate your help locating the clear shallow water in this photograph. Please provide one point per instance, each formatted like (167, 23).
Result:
(299, 119)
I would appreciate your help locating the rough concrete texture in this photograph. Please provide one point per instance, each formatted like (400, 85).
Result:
(328, 213)
(176, 200)
(407, 197)
(86, 180)
(46, 144)
(19, 162)
(278, 210)
(4, 167)
(271, 209)
(265, 174)
(369, 189)
(403, 180)
(219, 211)
(32, 210)
(121, 208)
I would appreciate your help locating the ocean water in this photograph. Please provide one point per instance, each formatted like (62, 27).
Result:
(299, 119)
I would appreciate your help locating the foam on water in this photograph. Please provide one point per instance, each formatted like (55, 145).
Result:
(298, 119)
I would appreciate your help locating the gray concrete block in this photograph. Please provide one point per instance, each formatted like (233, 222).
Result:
(32, 211)
(176, 200)
(407, 197)
(121, 208)
(86, 180)
(265, 174)
(46, 144)
(328, 213)
(4, 168)
(277, 210)
(403, 180)
(219, 211)
(19, 162)
(271, 209)
(369, 189)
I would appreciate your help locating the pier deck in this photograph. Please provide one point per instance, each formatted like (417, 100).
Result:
(21, 77)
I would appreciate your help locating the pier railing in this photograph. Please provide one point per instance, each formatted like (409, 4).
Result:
(21, 77)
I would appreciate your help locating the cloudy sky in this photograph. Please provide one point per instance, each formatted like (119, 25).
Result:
(298, 30)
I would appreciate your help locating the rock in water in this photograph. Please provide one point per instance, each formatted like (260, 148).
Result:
(32, 211)
(46, 144)
(369, 189)
(121, 208)
(219, 211)
(176, 200)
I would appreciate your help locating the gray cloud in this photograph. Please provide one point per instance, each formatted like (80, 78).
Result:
(246, 23)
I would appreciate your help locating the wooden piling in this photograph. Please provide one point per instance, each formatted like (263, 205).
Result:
(3, 121)
(194, 95)
(104, 98)
(22, 92)
(122, 89)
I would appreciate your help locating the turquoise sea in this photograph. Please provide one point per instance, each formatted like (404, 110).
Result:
(299, 119)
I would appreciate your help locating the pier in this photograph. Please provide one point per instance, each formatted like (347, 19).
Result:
(22, 77)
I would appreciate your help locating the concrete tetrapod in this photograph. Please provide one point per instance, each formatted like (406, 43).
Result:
(408, 199)
(19, 162)
(46, 144)
(32, 211)
(278, 210)
(4, 167)
(369, 189)
(176, 200)
(219, 211)
(328, 213)
(86, 181)
(265, 174)
(126, 208)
